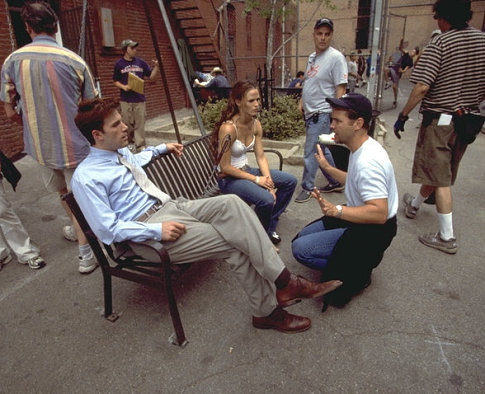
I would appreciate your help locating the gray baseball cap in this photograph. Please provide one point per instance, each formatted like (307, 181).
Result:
(128, 43)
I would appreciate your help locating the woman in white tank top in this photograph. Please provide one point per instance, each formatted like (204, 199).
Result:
(269, 190)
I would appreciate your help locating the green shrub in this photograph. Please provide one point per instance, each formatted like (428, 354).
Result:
(210, 113)
(281, 122)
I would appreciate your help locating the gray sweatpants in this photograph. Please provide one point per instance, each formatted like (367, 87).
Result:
(13, 232)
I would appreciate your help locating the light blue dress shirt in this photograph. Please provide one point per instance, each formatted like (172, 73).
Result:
(109, 197)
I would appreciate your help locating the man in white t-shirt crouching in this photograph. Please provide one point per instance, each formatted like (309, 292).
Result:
(350, 240)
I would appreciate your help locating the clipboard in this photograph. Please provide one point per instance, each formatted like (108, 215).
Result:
(135, 83)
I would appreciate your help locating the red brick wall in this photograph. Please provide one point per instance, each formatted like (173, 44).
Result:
(11, 140)
(130, 21)
(256, 55)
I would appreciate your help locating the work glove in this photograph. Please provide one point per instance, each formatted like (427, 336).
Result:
(399, 125)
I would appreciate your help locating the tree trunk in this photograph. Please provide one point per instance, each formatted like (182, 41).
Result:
(269, 47)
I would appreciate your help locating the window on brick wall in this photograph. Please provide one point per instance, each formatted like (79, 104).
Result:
(363, 25)
(20, 36)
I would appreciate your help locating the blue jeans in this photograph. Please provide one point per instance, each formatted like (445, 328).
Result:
(314, 245)
(264, 205)
(313, 130)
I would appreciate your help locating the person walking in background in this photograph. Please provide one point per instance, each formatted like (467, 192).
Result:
(269, 190)
(133, 108)
(400, 62)
(361, 64)
(42, 83)
(13, 235)
(449, 82)
(353, 72)
(325, 76)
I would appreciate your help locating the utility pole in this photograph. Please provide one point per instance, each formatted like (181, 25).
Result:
(297, 49)
(376, 32)
(283, 50)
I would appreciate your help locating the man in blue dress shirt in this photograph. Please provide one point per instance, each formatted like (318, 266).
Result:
(117, 209)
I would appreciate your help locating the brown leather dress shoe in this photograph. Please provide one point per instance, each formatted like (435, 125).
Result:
(299, 288)
(282, 321)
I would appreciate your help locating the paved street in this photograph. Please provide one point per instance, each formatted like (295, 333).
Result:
(419, 328)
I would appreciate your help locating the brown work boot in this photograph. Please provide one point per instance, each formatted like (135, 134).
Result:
(282, 321)
(299, 288)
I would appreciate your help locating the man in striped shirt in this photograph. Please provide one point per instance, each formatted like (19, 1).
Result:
(42, 83)
(449, 78)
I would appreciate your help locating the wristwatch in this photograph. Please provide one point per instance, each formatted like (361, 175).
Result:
(339, 210)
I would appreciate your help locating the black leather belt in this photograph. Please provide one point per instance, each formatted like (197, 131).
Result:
(150, 212)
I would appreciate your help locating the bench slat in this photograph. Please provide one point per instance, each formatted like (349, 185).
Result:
(186, 176)
(192, 175)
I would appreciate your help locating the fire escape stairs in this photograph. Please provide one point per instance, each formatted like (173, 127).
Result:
(200, 41)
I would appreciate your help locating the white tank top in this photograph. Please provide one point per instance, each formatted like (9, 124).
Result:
(238, 150)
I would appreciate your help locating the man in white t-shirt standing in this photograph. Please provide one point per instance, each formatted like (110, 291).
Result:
(325, 77)
(350, 240)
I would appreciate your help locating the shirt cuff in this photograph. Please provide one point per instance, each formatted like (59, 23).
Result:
(157, 150)
(155, 230)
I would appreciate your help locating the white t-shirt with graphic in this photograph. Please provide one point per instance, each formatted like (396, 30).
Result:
(324, 73)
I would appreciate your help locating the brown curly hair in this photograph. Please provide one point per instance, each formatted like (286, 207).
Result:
(91, 115)
(238, 92)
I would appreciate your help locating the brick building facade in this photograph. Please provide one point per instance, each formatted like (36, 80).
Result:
(201, 24)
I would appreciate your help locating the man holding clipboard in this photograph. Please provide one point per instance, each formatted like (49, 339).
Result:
(128, 76)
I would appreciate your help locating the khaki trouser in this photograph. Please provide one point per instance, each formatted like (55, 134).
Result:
(133, 115)
(225, 227)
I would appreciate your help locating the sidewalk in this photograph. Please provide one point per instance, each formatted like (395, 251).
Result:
(417, 329)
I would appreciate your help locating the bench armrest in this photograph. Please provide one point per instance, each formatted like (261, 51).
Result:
(150, 250)
(277, 153)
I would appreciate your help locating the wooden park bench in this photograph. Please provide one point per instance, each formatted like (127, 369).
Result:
(193, 176)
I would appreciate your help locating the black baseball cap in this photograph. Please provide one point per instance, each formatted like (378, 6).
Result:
(323, 21)
(355, 102)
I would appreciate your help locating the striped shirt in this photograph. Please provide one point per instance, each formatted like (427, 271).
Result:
(453, 66)
(46, 82)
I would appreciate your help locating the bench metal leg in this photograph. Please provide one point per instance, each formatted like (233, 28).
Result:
(108, 297)
(178, 338)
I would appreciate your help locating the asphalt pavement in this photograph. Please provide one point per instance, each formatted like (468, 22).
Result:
(419, 328)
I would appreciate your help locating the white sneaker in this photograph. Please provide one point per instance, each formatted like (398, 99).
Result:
(87, 264)
(69, 233)
(36, 263)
